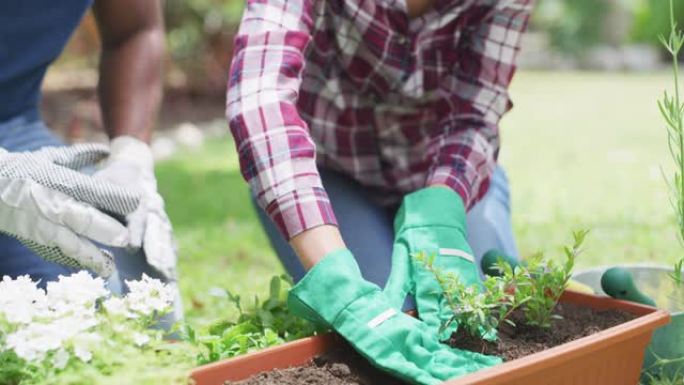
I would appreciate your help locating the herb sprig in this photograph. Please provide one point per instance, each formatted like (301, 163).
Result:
(535, 288)
(672, 111)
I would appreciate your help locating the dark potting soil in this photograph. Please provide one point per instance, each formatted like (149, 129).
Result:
(523, 340)
(344, 366)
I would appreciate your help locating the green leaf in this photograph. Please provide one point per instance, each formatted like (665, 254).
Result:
(275, 289)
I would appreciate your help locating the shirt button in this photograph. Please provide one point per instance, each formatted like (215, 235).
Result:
(402, 40)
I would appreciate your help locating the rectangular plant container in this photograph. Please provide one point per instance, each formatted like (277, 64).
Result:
(610, 357)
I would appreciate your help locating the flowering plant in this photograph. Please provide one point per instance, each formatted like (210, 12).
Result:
(76, 332)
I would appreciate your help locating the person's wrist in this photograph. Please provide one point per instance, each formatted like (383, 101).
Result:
(132, 151)
(314, 244)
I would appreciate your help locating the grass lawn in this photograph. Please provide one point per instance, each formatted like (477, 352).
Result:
(221, 244)
(581, 150)
(585, 151)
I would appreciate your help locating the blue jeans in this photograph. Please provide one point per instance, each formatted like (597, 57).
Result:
(367, 227)
(29, 133)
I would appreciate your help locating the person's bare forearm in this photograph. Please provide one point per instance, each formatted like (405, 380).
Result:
(313, 244)
(130, 86)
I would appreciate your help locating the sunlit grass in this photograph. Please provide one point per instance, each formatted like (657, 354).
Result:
(220, 242)
(584, 151)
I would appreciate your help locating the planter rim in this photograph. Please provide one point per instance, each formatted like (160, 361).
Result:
(258, 361)
(320, 339)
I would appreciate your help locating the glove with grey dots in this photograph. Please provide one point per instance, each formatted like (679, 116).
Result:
(57, 211)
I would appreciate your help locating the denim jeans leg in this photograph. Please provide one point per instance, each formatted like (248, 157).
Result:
(489, 221)
(130, 266)
(27, 133)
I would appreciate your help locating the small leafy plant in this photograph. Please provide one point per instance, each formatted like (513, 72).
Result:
(265, 324)
(534, 288)
(542, 282)
(478, 312)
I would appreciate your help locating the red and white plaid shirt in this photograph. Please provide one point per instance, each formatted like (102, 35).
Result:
(356, 86)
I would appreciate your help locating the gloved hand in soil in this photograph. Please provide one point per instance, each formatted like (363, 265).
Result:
(333, 294)
(431, 220)
(131, 166)
(55, 210)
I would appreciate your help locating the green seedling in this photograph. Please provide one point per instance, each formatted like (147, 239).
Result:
(543, 281)
(265, 324)
(478, 312)
(535, 288)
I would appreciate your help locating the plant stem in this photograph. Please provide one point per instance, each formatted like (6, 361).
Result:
(443, 287)
(673, 113)
(675, 67)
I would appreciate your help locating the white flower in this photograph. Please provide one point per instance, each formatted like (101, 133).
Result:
(83, 345)
(21, 300)
(140, 339)
(149, 295)
(76, 323)
(51, 326)
(35, 340)
(75, 292)
(117, 307)
(60, 359)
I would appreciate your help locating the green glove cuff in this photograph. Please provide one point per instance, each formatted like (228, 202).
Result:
(336, 273)
(431, 206)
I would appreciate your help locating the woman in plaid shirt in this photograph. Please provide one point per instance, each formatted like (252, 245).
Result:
(382, 110)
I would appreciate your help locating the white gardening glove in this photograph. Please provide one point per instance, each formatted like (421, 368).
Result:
(55, 210)
(131, 165)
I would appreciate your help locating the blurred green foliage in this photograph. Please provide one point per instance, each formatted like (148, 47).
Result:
(575, 25)
(189, 22)
(652, 19)
(572, 25)
(195, 27)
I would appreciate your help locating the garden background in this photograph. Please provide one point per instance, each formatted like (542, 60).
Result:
(583, 146)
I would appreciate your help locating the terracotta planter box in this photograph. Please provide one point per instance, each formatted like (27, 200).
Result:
(611, 357)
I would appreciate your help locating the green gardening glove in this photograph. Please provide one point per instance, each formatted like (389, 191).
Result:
(333, 294)
(431, 220)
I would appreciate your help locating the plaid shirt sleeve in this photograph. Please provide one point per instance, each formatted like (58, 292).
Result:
(276, 152)
(467, 144)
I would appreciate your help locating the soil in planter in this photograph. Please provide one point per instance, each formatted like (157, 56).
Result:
(522, 340)
(344, 366)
